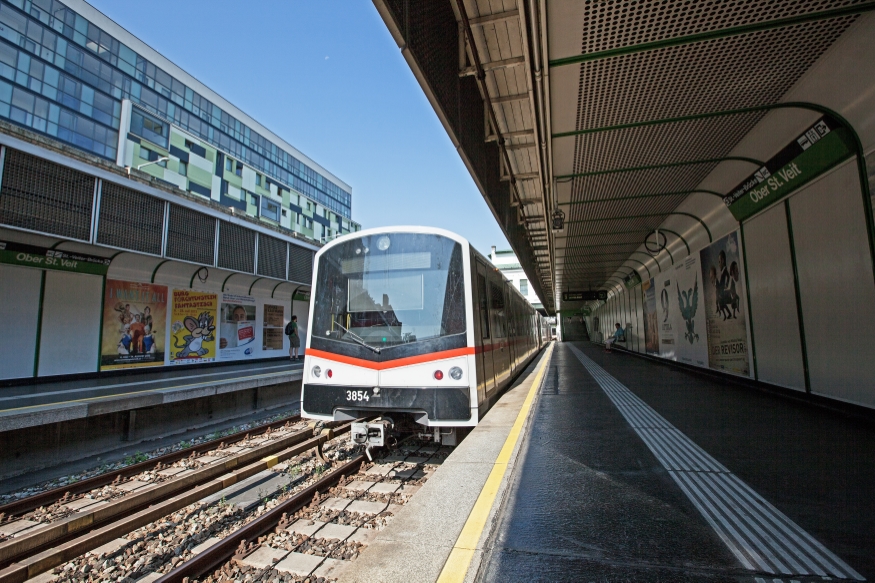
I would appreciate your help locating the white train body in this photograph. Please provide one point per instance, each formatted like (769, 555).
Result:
(412, 320)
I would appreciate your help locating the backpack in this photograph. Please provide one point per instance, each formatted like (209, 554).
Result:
(289, 330)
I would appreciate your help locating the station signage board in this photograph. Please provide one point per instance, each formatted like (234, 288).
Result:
(821, 147)
(45, 258)
(584, 296)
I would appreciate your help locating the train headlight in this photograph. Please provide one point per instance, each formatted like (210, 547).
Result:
(456, 373)
(317, 372)
(383, 243)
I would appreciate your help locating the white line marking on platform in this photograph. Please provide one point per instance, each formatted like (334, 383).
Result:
(760, 536)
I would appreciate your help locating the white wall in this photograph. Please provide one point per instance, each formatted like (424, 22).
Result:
(70, 331)
(773, 300)
(836, 286)
(19, 312)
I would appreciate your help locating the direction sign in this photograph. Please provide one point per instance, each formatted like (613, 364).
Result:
(584, 296)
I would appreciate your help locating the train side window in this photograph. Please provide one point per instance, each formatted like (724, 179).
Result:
(484, 307)
(496, 297)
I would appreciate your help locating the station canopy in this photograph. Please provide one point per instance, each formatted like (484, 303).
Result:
(620, 117)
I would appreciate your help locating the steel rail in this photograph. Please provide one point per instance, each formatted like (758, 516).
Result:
(223, 550)
(23, 505)
(34, 564)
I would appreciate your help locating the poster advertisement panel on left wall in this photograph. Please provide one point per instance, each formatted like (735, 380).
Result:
(193, 327)
(134, 315)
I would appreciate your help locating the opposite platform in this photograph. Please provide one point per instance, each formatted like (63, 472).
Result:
(23, 406)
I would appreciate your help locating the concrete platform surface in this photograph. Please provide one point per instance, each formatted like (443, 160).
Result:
(23, 406)
(416, 543)
(639, 471)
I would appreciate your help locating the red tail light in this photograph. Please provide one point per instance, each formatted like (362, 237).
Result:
(438, 374)
(328, 373)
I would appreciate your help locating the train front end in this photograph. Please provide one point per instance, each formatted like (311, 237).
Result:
(389, 331)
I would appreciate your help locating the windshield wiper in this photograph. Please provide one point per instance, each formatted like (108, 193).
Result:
(357, 339)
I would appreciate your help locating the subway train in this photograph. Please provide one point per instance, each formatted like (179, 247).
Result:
(414, 326)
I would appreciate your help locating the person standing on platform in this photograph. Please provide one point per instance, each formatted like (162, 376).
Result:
(294, 340)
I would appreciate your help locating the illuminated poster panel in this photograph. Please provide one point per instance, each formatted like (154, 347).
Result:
(193, 327)
(134, 316)
(689, 318)
(236, 327)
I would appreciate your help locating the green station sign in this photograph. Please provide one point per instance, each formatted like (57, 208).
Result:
(821, 147)
(45, 258)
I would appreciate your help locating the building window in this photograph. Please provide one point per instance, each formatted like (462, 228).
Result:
(270, 210)
(258, 180)
(151, 156)
(308, 223)
(229, 164)
(238, 170)
(524, 287)
(149, 128)
(183, 168)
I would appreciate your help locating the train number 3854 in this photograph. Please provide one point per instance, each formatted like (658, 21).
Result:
(357, 396)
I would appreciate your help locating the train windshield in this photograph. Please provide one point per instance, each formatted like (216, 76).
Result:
(377, 294)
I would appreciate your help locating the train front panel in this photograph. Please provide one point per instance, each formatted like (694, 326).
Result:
(390, 329)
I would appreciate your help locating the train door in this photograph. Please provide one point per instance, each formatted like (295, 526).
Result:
(485, 358)
(499, 317)
(511, 327)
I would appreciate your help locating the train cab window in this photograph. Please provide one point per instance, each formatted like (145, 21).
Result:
(496, 296)
(378, 294)
(484, 306)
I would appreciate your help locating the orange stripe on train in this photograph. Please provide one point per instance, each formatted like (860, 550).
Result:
(398, 362)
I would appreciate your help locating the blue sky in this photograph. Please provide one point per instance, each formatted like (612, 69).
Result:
(327, 77)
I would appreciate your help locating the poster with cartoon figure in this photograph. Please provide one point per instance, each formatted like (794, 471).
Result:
(193, 327)
(725, 305)
(691, 331)
(236, 327)
(134, 316)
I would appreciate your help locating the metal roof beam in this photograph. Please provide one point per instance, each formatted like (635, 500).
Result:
(510, 98)
(514, 134)
(672, 213)
(718, 34)
(665, 165)
(493, 18)
(635, 196)
(493, 65)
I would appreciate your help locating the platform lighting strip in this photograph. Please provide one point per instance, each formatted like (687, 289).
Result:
(760, 536)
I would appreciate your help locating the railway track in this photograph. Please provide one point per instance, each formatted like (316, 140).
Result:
(318, 526)
(19, 507)
(40, 548)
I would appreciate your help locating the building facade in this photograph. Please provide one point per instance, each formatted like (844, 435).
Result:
(509, 265)
(137, 206)
(72, 74)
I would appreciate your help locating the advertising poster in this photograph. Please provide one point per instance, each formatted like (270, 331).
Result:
(133, 325)
(725, 309)
(666, 306)
(273, 329)
(236, 327)
(193, 327)
(691, 331)
(651, 318)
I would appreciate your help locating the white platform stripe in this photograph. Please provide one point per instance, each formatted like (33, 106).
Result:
(760, 536)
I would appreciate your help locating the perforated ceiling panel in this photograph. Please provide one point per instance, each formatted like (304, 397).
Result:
(612, 24)
(300, 264)
(130, 219)
(46, 197)
(629, 171)
(236, 248)
(191, 235)
(271, 257)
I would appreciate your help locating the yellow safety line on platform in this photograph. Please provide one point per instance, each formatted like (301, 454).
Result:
(176, 387)
(459, 561)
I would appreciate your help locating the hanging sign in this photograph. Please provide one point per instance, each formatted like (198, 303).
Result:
(584, 296)
(819, 148)
(45, 258)
(632, 280)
